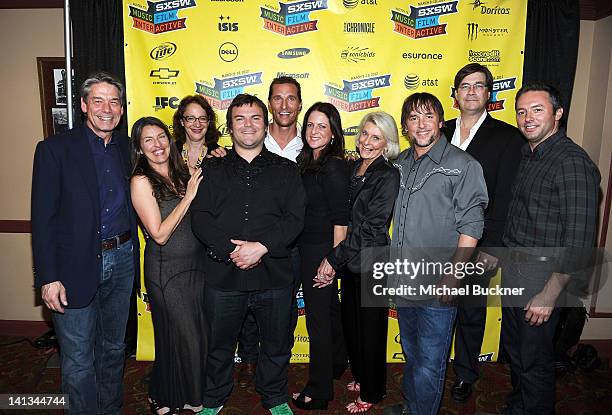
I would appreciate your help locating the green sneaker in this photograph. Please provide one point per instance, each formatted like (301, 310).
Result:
(282, 409)
(210, 411)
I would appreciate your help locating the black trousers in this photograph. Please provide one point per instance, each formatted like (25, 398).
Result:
(469, 332)
(323, 320)
(225, 311)
(365, 334)
(248, 342)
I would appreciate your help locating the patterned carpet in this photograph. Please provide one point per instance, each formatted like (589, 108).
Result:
(23, 370)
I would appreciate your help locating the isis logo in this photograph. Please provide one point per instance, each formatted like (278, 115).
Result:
(411, 81)
(227, 26)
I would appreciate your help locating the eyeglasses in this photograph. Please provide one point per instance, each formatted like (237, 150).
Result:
(191, 119)
(478, 86)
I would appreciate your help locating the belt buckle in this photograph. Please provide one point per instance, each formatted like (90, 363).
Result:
(117, 241)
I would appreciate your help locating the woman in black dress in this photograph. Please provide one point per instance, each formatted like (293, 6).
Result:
(373, 188)
(162, 192)
(325, 175)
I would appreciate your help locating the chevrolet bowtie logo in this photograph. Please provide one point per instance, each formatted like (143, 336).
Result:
(164, 73)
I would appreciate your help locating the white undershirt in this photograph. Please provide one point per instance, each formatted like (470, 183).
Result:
(456, 141)
(291, 150)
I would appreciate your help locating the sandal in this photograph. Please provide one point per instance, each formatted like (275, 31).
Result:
(358, 406)
(353, 386)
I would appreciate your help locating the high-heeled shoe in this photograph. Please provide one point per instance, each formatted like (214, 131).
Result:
(300, 402)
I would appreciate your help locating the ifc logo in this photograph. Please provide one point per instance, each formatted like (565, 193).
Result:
(411, 81)
(350, 4)
(228, 52)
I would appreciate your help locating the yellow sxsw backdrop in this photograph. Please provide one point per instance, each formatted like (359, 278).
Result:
(361, 55)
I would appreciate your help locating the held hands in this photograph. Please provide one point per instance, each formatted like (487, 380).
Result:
(192, 185)
(247, 254)
(539, 309)
(218, 152)
(450, 282)
(325, 275)
(54, 296)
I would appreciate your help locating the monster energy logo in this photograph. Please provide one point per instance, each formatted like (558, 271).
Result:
(472, 31)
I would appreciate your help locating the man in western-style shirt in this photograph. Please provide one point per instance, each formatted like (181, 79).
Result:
(553, 210)
(439, 211)
(248, 213)
(496, 145)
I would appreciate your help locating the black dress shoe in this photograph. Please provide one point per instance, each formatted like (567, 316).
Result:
(246, 374)
(300, 402)
(397, 409)
(461, 390)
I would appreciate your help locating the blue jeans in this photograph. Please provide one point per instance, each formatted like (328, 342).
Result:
(91, 339)
(225, 311)
(426, 332)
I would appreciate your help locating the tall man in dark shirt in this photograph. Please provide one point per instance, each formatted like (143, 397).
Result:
(554, 205)
(248, 212)
(85, 246)
(496, 145)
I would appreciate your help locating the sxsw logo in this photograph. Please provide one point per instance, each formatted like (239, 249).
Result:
(422, 21)
(357, 94)
(292, 18)
(227, 26)
(224, 89)
(161, 16)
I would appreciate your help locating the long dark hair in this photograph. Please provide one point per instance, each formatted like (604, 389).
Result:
(212, 133)
(178, 175)
(335, 148)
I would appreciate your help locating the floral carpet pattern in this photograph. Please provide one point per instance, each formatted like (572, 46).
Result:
(23, 369)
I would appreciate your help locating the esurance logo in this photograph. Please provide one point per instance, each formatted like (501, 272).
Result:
(292, 18)
(422, 21)
(488, 56)
(163, 51)
(356, 95)
(224, 89)
(161, 16)
(357, 54)
(293, 53)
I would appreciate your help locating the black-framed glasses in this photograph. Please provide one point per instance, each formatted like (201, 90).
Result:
(191, 119)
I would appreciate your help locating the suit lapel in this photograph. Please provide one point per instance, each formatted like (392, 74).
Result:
(480, 134)
(81, 152)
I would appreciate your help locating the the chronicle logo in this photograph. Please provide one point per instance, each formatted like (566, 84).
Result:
(488, 56)
(351, 4)
(161, 16)
(228, 52)
(292, 18)
(293, 53)
(422, 21)
(226, 26)
(224, 89)
(356, 94)
(359, 27)
(165, 102)
(357, 54)
(163, 51)
(164, 74)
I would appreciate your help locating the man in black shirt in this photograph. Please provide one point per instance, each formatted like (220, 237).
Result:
(248, 211)
(553, 209)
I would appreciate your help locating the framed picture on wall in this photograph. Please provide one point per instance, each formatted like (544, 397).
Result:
(52, 83)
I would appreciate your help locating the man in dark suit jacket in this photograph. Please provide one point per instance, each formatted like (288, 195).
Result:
(497, 147)
(85, 246)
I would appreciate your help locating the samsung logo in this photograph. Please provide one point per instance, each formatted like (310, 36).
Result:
(293, 53)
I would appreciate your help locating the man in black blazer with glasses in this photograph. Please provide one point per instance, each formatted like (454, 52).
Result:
(497, 147)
